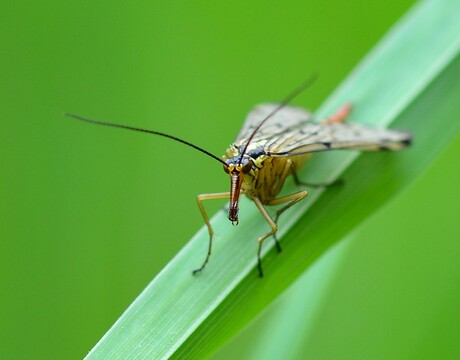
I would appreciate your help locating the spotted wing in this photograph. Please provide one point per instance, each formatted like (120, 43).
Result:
(282, 121)
(291, 131)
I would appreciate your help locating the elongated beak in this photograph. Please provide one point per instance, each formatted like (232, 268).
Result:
(236, 179)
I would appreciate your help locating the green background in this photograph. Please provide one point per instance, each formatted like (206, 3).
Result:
(90, 215)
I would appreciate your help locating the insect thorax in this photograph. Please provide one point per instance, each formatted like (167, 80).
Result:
(267, 175)
(254, 152)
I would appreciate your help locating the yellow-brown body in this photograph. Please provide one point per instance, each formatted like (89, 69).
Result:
(267, 177)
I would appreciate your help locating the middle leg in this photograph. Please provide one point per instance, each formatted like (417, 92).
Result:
(291, 200)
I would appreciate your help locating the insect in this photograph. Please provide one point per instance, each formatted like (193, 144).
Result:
(274, 142)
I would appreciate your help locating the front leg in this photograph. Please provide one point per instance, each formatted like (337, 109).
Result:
(200, 198)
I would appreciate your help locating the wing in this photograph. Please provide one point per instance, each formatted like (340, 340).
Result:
(319, 137)
(292, 132)
(282, 121)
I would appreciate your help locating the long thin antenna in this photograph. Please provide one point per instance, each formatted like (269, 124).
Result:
(283, 103)
(97, 122)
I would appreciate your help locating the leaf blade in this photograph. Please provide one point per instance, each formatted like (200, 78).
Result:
(205, 307)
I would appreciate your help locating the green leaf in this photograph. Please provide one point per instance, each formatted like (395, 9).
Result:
(409, 81)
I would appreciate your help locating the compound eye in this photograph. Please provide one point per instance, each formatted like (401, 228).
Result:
(229, 168)
(247, 166)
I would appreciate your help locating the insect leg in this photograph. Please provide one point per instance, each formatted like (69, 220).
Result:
(199, 200)
(288, 168)
(274, 227)
(292, 199)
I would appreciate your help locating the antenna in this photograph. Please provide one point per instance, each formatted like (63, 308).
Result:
(283, 103)
(97, 122)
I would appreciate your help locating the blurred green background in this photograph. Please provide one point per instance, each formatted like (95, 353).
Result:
(89, 214)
